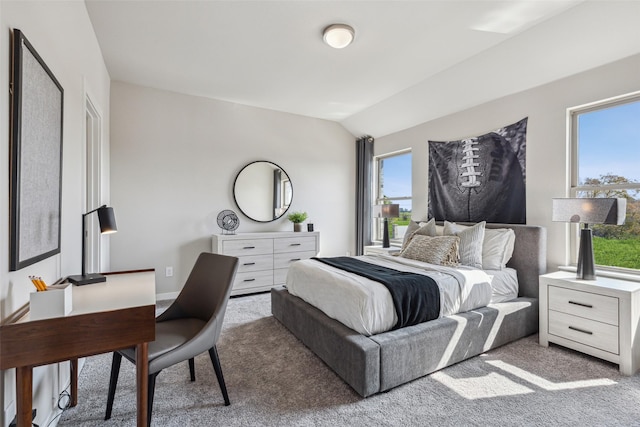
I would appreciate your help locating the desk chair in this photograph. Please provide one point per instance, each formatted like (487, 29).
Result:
(190, 326)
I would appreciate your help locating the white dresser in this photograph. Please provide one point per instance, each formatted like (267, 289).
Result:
(597, 317)
(265, 257)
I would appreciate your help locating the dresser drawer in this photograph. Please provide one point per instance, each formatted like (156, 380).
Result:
(241, 248)
(588, 332)
(255, 263)
(280, 276)
(295, 244)
(596, 307)
(286, 259)
(253, 279)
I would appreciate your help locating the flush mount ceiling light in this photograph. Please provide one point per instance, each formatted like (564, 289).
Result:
(338, 35)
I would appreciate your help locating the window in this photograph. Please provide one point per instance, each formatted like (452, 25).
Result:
(606, 149)
(393, 185)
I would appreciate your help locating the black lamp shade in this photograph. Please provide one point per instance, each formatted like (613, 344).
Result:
(107, 220)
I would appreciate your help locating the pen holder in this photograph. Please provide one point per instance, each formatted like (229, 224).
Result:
(56, 301)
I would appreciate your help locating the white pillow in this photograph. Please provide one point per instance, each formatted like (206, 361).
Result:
(497, 248)
(471, 239)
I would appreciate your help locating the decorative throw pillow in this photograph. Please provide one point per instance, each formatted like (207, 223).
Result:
(497, 248)
(471, 239)
(422, 228)
(440, 250)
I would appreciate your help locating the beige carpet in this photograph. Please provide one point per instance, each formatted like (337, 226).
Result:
(273, 380)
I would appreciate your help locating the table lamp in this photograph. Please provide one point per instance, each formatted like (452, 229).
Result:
(589, 211)
(107, 221)
(386, 212)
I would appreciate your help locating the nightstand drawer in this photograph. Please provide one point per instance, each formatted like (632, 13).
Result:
(588, 332)
(596, 307)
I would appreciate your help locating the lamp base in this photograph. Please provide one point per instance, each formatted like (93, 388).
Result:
(385, 234)
(87, 279)
(586, 263)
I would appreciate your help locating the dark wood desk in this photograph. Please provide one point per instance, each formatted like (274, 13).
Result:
(106, 316)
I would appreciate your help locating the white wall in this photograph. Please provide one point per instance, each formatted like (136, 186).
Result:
(547, 146)
(63, 36)
(173, 162)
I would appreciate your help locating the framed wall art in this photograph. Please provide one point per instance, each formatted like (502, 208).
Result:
(35, 157)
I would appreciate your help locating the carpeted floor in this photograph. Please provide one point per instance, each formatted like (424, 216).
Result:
(273, 380)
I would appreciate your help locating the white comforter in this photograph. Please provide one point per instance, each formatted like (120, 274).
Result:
(366, 306)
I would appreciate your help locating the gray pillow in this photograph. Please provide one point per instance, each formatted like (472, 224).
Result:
(440, 250)
(423, 228)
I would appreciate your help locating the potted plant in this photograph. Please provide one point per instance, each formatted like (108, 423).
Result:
(297, 218)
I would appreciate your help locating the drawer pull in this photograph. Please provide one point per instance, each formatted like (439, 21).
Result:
(249, 263)
(295, 244)
(295, 259)
(249, 247)
(581, 304)
(249, 280)
(580, 330)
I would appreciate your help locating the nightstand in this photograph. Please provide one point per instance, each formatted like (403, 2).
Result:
(597, 317)
(374, 250)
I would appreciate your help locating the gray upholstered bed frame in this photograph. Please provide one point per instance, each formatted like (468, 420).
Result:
(380, 362)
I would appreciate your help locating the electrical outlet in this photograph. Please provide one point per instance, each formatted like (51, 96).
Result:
(348, 253)
(168, 272)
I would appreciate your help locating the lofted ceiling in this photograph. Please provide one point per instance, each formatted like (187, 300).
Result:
(410, 62)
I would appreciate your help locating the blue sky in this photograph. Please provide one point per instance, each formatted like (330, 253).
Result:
(609, 142)
(397, 178)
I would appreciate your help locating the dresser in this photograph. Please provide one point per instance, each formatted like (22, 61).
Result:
(597, 317)
(265, 257)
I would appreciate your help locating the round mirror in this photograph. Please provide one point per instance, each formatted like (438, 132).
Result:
(263, 192)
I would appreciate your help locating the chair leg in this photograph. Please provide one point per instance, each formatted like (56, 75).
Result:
(192, 369)
(113, 382)
(213, 354)
(151, 387)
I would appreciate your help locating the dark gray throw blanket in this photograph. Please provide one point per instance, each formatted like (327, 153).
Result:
(416, 297)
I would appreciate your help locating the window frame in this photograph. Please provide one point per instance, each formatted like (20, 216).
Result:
(376, 232)
(574, 184)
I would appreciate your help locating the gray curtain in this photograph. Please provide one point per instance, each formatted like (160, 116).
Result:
(364, 174)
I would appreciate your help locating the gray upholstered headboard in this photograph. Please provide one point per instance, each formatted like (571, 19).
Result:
(529, 255)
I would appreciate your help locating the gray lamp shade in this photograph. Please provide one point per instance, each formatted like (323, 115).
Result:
(107, 220)
(590, 210)
(386, 211)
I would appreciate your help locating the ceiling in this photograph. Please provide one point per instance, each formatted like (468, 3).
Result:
(411, 61)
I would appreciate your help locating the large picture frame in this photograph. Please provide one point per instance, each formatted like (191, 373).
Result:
(35, 157)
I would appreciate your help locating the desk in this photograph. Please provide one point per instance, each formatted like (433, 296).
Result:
(106, 316)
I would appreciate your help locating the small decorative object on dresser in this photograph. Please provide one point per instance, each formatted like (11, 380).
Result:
(297, 218)
(228, 221)
(265, 257)
(597, 317)
(375, 249)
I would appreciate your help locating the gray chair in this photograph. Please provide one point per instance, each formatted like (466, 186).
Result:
(190, 326)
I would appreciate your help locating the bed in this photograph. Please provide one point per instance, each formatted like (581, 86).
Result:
(382, 361)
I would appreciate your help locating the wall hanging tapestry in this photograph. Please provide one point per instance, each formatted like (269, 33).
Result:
(480, 178)
(36, 157)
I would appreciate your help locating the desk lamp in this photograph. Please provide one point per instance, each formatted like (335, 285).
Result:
(386, 212)
(107, 221)
(589, 211)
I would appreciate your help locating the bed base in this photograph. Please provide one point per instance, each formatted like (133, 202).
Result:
(381, 362)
